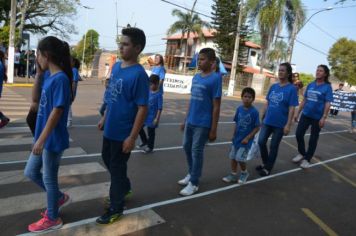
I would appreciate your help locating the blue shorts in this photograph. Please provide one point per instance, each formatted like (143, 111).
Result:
(239, 154)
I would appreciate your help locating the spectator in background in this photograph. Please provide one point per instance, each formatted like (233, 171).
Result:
(297, 83)
(17, 62)
(334, 112)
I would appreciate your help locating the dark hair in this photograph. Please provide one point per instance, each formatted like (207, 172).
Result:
(341, 84)
(327, 72)
(2, 57)
(161, 60)
(217, 69)
(154, 79)
(288, 66)
(250, 91)
(136, 35)
(209, 52)
(58, 53)
(76, 63)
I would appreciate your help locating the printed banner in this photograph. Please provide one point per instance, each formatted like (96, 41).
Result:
(176, 83)
(344, 101)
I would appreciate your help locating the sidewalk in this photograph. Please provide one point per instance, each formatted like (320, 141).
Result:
(21, 82)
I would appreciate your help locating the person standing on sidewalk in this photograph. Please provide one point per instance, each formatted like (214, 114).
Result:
(127, 99)
(51, 135)
(315, 109)
(277, 116)
(202, 118)
(3, 119)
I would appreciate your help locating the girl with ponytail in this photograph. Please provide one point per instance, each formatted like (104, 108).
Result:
(51, 135)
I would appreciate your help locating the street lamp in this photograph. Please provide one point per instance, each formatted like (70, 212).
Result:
(295, 32)
(85, 33)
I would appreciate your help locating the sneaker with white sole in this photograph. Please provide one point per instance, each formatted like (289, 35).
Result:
(185, 180)
(305, 164)
(243, 177)
(190, 189)
(297, 158)
(230, 178)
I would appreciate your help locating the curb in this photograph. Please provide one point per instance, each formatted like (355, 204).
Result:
(19, 85)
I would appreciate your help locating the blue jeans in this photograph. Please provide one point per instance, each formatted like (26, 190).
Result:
(194, 142)
(48, 181)
(353, 119)
(303, 125)
(269, 159)
(116, 163)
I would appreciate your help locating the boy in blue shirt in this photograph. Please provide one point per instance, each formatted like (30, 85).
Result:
(76, 77)
(202, 118)
(154, 114)
(127, 99)
(247, 125)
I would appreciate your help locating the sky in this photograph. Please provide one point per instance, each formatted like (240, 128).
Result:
(154, 17)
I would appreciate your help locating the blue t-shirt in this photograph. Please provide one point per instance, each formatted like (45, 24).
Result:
(280, 98)
(203, 92)
(155, 103)
(76, 77)
(246, 119)
(128, 88)
(2, 71)
(55, 94)
(161, 72)
(315, 97)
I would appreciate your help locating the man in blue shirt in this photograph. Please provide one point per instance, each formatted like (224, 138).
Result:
(314, 108)
(126, 98)
(202, 118)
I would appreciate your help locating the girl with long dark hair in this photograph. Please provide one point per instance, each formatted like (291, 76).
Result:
(314, 108)
(159, 70)
(51, 135)
(277, 116)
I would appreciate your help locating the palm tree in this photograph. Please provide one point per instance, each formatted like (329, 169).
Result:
(187, 23)
(270, 16)
(278, 53)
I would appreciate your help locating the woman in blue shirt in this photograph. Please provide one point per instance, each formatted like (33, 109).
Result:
(3, 118)
(159, 70)
(51, 135)
(314, 108)
(277, 117)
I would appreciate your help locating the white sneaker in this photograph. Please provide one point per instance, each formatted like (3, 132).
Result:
(305, 164)
(184, 181)
(297, 158)
(190, 189)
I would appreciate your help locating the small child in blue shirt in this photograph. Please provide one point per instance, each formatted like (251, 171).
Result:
(247, 125)
(155, 103)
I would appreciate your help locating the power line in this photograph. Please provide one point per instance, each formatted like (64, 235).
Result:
(322, 30)
(185, 8)
(310, 47)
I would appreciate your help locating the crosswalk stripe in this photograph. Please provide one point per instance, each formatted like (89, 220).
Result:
(15, 113)
(23, 103)
(14, 130)
(17, 141)
(23, 155)
(16, 176)
(35, 201)
(16, 108)
(4, 99)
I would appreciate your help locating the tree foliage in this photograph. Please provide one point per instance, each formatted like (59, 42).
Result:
(306, 78)
(42, 16)
(225, 19)
(91, 47)
(342, 59)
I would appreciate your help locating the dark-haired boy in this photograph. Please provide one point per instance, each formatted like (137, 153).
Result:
(247, 125)
(126, 98)
(155, 105)
(202, 118)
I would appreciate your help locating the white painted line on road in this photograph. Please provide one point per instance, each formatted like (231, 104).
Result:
(16, 176)
(14, 108)
(15, 113)
(23, 155)
(203, 194)
(163, 149)
(34, 201)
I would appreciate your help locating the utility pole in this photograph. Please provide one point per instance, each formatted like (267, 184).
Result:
(231, 88)
(11, 55)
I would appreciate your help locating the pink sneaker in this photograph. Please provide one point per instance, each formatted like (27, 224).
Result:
(4, 122)
(45, 224)
(64, 201)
